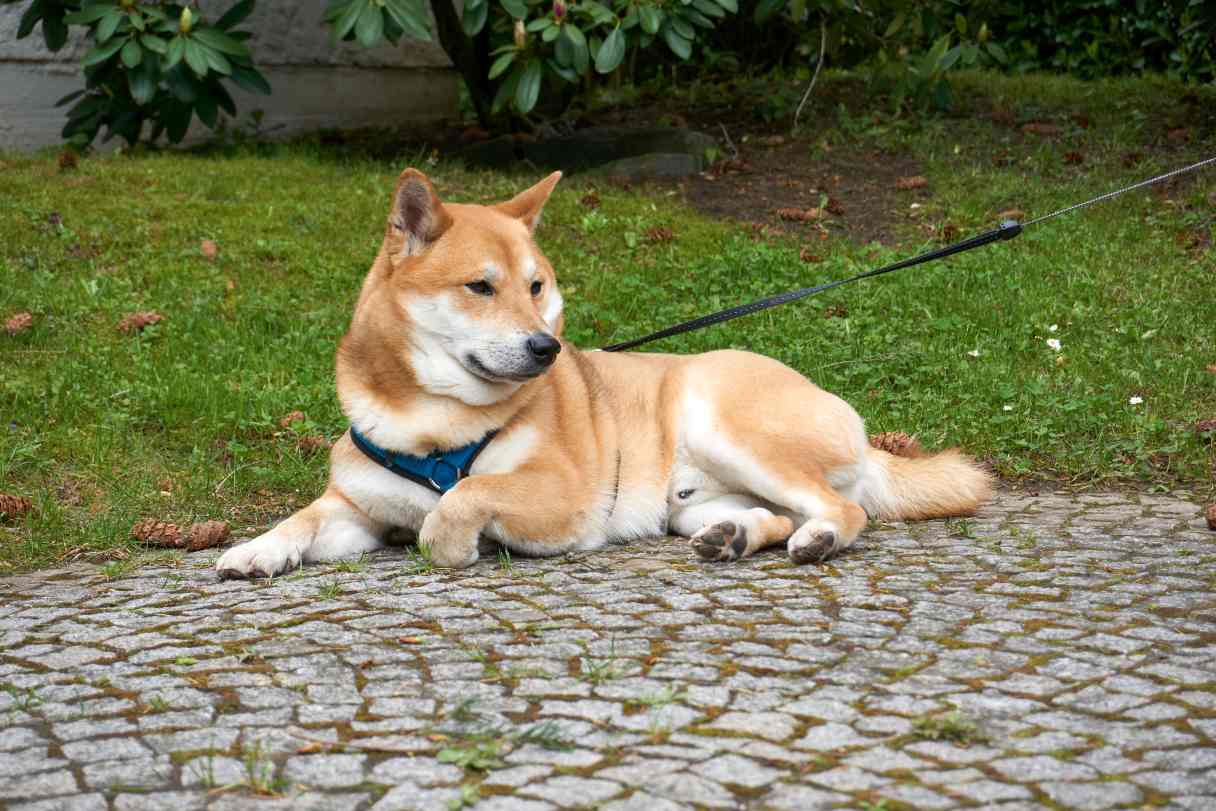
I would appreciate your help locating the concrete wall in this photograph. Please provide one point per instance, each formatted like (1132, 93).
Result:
(315, 85)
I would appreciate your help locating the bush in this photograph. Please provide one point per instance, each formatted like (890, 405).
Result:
(151, 64)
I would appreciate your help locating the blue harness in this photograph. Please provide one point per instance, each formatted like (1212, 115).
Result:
(438, 471)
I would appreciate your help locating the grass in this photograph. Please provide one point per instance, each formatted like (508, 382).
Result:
(950, 726)
(182, 421)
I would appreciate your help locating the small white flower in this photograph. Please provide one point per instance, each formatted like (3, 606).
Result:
(1054, 343)
(975, 353)
(1007, 408)
(1135, 400)
(915, 205)
(1053, 328)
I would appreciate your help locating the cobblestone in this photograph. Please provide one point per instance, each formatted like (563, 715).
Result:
(1040, 655)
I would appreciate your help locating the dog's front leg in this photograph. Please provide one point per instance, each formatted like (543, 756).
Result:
(451, 530)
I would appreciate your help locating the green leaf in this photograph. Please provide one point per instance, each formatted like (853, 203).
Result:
(611, 52)
(950, 57)
(764, 10)
(561, 70)
(960, 22)
(709, 8)
(538, 24)
(90, 14)
(581, 61)
(132, 54)
(250, 79)
(101, 53)
(346, 18)
(137, 20)
(153, 43)
(177, 121)
(475, 13)
(217, 61)
(551, 33)
(998, 53)
(205, 109)
(142, 85)
(218, 40)
(506, 91)
(501, 64)
(235, 15)
(679, 45)
(528, 89)
(108, 25)
(412, 18)
(729, 5)
(196, 57)
(176, 51)
(369, 29)
(516, 8)
(70, 97)
(895, 26)
(651, 18)
(54, 33)
(682, 27)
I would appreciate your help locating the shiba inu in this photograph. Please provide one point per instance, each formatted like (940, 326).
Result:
(471, 416)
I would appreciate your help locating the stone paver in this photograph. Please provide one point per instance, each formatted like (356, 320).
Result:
(1054, 651)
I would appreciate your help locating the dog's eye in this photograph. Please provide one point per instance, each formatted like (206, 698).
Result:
(536, 288)
(683, 494)
(481, 288)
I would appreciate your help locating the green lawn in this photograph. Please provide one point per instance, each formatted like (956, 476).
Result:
(182, 422)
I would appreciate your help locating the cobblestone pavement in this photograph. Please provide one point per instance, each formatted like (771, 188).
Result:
(1053, 652)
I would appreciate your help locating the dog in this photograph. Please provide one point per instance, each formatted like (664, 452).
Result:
(471, 416)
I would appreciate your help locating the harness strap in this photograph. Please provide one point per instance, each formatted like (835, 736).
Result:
(438, 471)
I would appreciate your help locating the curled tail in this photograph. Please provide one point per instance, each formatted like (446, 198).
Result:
(914, 485)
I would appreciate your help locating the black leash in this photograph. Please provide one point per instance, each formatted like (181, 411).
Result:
(1007, 230)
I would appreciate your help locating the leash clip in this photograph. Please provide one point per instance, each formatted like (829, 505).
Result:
(1010, 229)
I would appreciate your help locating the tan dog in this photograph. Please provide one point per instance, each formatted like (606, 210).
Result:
(456, 334)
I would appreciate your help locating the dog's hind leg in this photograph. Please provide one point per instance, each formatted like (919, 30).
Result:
(330, 528)
(731, 527)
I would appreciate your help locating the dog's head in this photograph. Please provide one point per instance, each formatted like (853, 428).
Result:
(478, 299)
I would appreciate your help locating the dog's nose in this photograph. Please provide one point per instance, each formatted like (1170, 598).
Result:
(543, 347)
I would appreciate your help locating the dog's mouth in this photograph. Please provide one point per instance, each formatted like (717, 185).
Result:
(479, 369)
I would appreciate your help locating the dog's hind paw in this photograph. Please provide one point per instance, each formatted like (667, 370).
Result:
(724, 541)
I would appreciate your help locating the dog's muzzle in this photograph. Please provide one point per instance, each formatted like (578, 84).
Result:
(543, 348)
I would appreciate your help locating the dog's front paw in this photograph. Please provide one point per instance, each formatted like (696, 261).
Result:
(814, 542)
(264, 556)
(724, 541)
(451, 547)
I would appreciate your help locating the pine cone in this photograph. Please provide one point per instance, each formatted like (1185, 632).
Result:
(18, 323)
(207, 534)
(158, 533)
(897, 443)
(1211, 516)
(135, 322)
(295, 416)
(13, 506)
(67, 160)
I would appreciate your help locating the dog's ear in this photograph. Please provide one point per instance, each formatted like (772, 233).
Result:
(528, 205)
(417, 217)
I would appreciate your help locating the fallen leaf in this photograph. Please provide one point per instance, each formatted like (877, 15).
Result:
(1206, 428)
(913, 182)
(312, 444)
(949, 232)
(1178, 135)
(67, 160)
(773, 140)
(1211, 368)
(806, 256)
(136, 322)
(410, 640)
(295, 416)
(1132, 159)
(210, 249)
(1011, 214)
(311, 748)
(1081, 120)
(19, 323)
(659, 234)
(836, 311)
(1040, 128)
(590, 200)
(833, 207)
(1073, 158)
